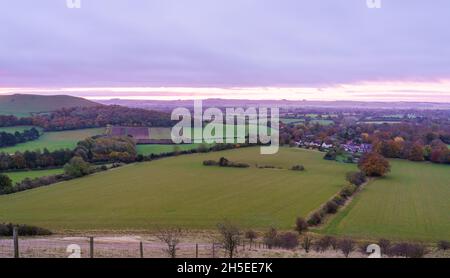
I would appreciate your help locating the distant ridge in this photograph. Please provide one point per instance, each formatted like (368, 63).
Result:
(24, 104)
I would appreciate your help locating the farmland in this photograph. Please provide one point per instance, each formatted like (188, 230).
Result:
(55, 140)
(181, 191)
(412, 202)
(162, 148)
(19, 176)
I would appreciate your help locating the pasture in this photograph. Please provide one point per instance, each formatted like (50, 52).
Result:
(19, 176)
(55, 140)
(180, 191)
(412, 202)
(162, 148)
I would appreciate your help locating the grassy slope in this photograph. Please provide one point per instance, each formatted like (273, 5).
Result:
(181, 191)
(24, 104)
(55, 140)
(19, 176)
(412, 202)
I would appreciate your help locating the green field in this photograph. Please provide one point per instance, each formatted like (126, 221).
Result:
(22, 128)
(180, 191)
(55, 140)
(322, 122)
(160, 148)
(412, 202)
(292, 121)
(19, 176)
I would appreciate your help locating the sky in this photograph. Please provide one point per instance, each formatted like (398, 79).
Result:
(271, 49)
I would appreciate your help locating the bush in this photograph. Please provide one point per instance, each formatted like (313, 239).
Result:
(443, 245)
(306, 243)
(210, 163)
(347, 191)
(270, 237)
(287, 240)
(384, 244)
(5, 183)
(315, 219)
(346, 246)
(301, 225)
(298, 168)
(374, 165)
(324, 243)
(408, 250)
(356, 178)
(331, 207)
(23, 230)
(77, 167)
(339, 200)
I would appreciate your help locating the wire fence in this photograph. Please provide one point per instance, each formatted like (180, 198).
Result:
(101, 247)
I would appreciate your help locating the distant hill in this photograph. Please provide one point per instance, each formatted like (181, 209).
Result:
(24, 105)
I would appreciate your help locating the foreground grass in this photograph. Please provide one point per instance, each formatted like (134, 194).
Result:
(412, 202)
(55, 140)
(180, 191)
(19, 176)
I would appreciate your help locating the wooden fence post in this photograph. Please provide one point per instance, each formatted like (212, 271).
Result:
(196, 250)
(16, 242)
(91, 246)
(141, 249)
(213, 250)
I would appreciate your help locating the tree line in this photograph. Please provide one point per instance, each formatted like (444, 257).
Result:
(10, 139)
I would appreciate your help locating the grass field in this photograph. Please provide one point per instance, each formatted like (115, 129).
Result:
(412, 202)
(291, 121)
(160, 148)
(55, 140)
(19, 176)
(13, 129)
(180, 191)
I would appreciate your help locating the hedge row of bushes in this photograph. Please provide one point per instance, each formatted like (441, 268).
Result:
(23, 230)
(28, 183)
(356, 179)
(223, 162)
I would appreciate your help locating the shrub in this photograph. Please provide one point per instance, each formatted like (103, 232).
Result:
(443, 245)
(251, 235)
(315, 219)
(339, 200)
(324, 243)
(306, 243)
(346, 246)
(5, 183)
(301, 225)
(356, 178)
(408, 250)
(223, 162)
(298, 168)
(270, 237)
(384, 244)
(287, 240)
(331, 207)
(23, 230)
(77, 167)
(347, 191)
(210, 163)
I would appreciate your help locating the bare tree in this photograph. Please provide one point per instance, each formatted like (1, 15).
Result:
(251, 235)
(306, 243)
(230, 237)
(171, 237)
(346, 246)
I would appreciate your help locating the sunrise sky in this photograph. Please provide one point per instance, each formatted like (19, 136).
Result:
(243, 49)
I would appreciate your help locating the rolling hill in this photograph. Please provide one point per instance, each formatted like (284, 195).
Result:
(23, 105)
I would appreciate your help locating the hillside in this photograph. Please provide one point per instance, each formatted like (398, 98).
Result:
(22, 105)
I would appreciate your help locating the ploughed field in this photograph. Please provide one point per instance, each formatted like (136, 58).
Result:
(411, 202)
(180, 191)
(55, 140)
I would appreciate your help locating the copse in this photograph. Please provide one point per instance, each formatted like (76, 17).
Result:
(77, 167)
(374, 165)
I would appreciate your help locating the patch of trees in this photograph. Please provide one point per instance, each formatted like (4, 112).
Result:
(10, 120)
(107, 149)
(11, 139)
(374, 165)
(100, 116)
(224, 162)
(34, 159)
(23, 230)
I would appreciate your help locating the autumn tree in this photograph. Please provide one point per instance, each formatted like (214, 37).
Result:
(373, 165)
